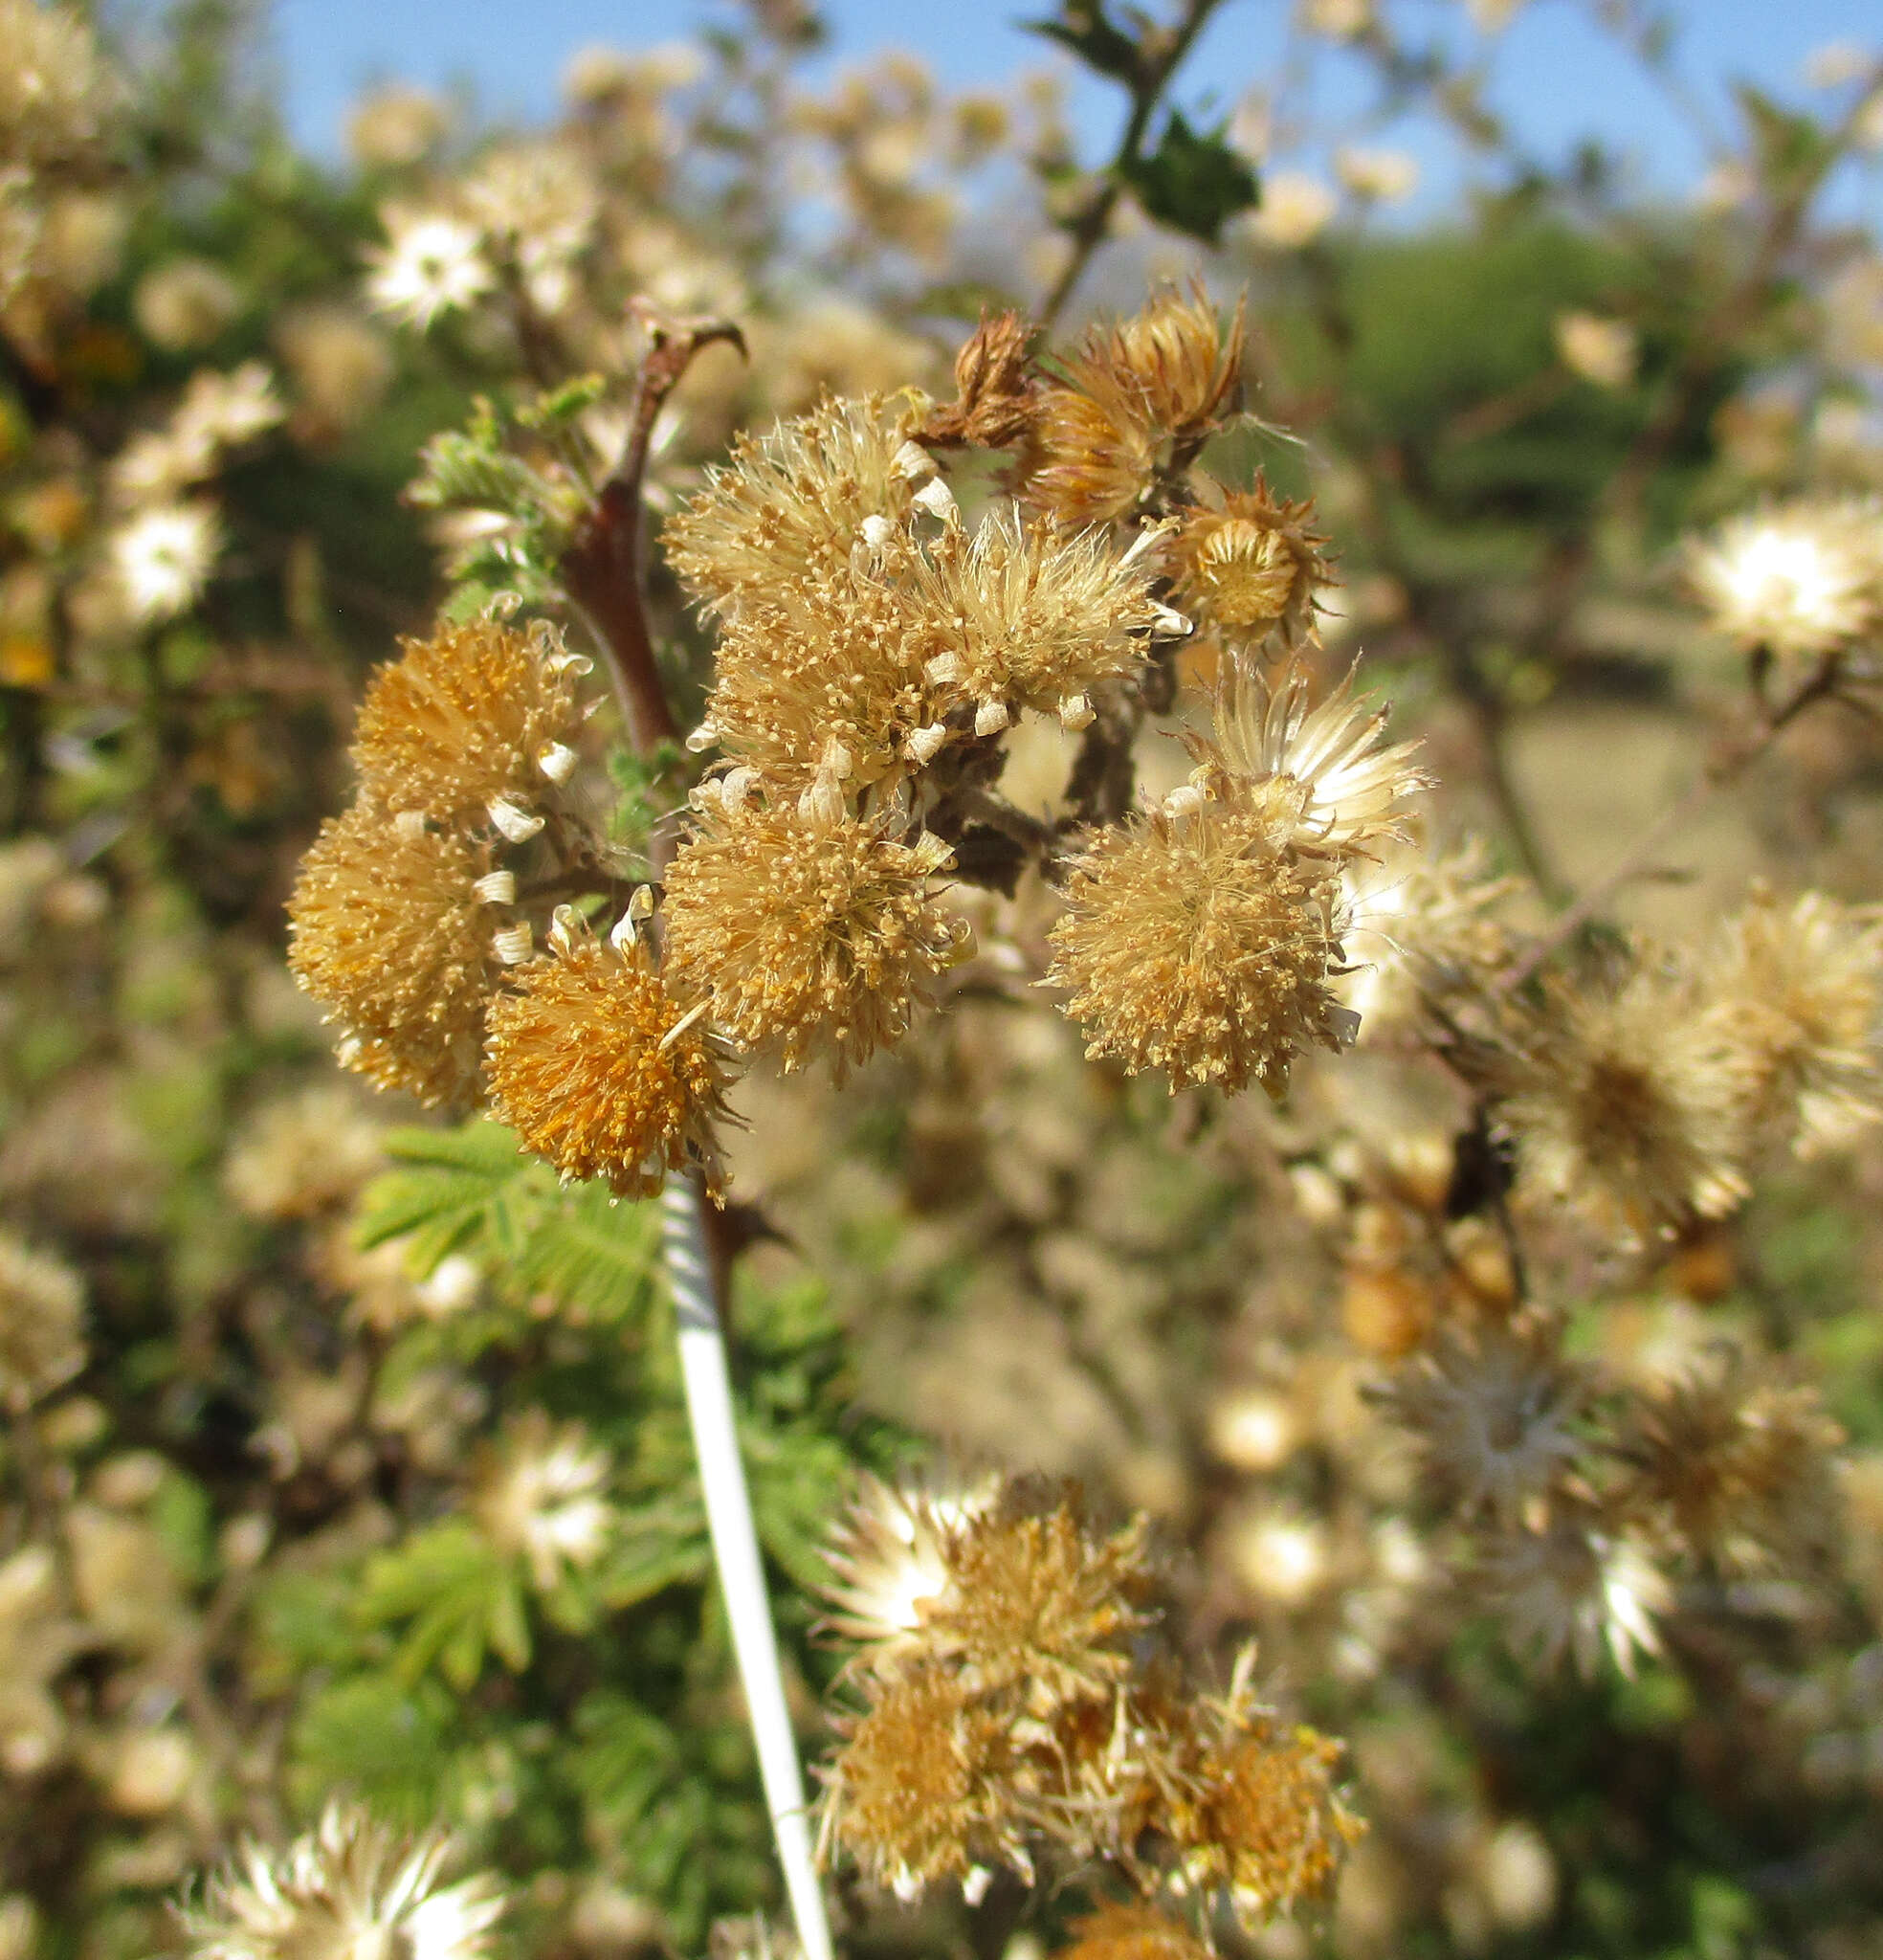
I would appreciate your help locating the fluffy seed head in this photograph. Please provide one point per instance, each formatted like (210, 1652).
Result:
(1136, 399)
(1800, 578)
(1253, 566)
(601, 1071)
(1627, 1102)
(350, 1890)
(792, 501)
(463, 718)
(1204, 947)
(1797, 993)
(1733, 1462)
(387, 932)
(810, 930)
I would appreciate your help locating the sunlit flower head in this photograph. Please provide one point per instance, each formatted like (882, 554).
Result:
(811, 931)
(388, 929)
(1204, 947)
(1798, 578)
(350, 1890)
(1253, 566)
(223, 410)
(889, 1560)
(1420, 920)
(433, 264)
(601, 1071)
(1578, 1586)
(162, 558)
(544, 1498)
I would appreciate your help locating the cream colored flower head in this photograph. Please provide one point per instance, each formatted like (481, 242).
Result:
(1798, 578)
(350, 1889)
(544, 1499)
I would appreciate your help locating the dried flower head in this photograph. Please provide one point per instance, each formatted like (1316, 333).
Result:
(1121, 1931)
(1800, 578)
(889, 1555)
(1626, 1098)
(163, 557)
(387, 931)
(810, 930)
(467, 718)
(921, 1789)
(1269, 749)
(1579, 1585)
(42, 1307)
(1732, 1463)
(1253, 566)
(995, 389)
(1038, 1598)
(1013, 617)
(350, 1890)
(1419, 923)
(795, 501)
(1251, 1808)
(542, 1498)
(303, 1154)
(601, 1071)
(1203, 946)
(1133, 405)
(1495, 1413)
(1796, 993)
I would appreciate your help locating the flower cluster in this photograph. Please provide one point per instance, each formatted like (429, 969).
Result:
(1014, 1711)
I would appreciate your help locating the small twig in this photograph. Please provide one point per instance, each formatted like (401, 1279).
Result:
(1818, 685)
(602, 568)
(1160, 55)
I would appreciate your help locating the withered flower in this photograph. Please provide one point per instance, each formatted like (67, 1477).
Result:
(1133, 404)
(1203, 946)
(1579, 1584)
(995, 389)
(1253, 566)
(810, 930)
(476, 715)
(389, 932)
(1121, 1931)
(601, 1071)
(793, 502)
(1733, 1462)
(348, 1888)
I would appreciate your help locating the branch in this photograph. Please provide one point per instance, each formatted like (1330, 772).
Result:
(602, 568)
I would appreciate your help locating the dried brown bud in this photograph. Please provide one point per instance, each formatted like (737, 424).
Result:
(995, 389)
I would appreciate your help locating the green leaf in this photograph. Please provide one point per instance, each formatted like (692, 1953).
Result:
(1193, 181)
(458, 1595)
(1082, 26)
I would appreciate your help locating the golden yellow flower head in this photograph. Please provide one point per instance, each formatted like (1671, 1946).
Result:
(387, 931)
(1797, 992)
(1135, 401)
(600, 1069)
(1254, 1813)
(476, 715)
(1117, 1931)
(920, 1790)
(1627, 1101)
(810, 929)
(795, 501)
(1253, 566)
(1205, 946)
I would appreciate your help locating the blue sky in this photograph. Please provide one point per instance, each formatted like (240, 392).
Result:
(1556, 77)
